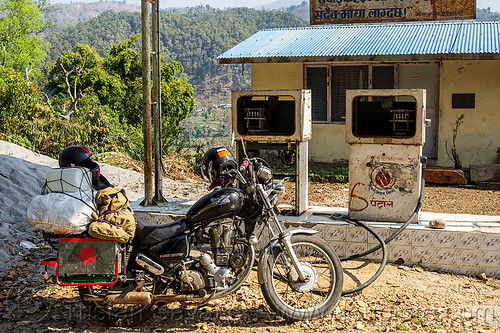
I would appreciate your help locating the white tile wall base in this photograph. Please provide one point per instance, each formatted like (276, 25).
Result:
(469, 245)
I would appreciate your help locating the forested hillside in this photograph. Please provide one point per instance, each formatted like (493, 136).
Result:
(65, 15)
(194, 38)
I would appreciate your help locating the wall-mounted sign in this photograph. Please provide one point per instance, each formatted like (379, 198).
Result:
(357, 11)
(463, 101)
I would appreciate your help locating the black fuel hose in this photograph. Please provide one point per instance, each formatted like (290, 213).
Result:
(382, 243)
(382, 264)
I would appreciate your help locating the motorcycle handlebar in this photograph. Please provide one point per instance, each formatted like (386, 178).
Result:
(236, 174)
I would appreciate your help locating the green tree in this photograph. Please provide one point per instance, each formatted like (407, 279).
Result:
(21, 23)
(26, 119)
(20, 105)
(114, 84)
(68, 78)
(177, 102)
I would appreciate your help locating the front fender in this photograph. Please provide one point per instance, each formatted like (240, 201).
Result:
(266, 256)
(297, 231)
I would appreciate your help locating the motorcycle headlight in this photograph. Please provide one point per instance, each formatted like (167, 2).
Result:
(276, 192)
(264, 174)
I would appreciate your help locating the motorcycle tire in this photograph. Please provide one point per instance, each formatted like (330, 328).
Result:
(291, 298)
(116, 315)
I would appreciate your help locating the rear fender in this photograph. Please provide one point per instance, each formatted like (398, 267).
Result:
(267, 255)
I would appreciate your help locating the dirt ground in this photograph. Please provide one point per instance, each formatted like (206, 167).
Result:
(402, 299)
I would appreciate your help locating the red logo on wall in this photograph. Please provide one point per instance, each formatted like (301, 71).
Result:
(87, 255)
(382, 179)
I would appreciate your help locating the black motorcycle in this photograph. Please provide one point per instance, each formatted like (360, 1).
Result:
(210, 253)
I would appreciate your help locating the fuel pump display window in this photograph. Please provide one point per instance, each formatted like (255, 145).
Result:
(269, 115)
(384, 116)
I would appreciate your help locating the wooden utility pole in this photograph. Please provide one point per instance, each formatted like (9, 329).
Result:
(158, 197)
(146, 104)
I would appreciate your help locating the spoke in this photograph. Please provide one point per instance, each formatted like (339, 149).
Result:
(311, 258)
(319, 292)
(310, 297)
(299, 296)
(281, 278)
(324, 277)
(287, 288)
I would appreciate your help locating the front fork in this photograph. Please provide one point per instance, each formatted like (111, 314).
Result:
(285, 236)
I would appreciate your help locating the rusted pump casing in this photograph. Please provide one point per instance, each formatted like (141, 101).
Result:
(385, 130)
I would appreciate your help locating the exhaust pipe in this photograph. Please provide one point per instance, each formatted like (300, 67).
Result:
(142, 298)
(132, 297)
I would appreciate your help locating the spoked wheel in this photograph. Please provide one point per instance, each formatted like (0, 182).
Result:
(117, 314)
(292, 298)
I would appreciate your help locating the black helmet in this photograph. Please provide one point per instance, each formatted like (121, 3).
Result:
(78, 156)
(216, 160)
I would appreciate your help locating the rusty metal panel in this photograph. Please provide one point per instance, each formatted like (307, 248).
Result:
(357, 11)
(384, 181)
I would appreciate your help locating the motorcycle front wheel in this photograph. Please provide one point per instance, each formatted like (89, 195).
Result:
(292, 298)
(116, 315)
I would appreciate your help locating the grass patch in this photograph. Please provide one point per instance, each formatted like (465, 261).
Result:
(339, 175)
(401, 327)
(416, 320)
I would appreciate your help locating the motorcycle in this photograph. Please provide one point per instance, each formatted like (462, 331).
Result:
(209, 254)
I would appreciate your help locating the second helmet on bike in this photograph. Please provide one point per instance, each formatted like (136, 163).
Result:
(216, 160)
(77, 155)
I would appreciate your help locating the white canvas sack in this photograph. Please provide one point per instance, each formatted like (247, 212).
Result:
(60, 213)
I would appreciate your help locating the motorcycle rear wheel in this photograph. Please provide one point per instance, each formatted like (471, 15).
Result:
(117, 315)
(291, 298)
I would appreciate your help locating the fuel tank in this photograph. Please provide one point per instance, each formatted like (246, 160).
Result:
(222, 203)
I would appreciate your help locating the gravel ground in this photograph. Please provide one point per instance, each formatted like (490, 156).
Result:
(402, 299)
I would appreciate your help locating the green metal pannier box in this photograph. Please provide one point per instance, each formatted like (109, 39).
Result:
(88, 256)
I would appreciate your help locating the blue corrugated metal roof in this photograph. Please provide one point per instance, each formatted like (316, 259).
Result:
(364, 40)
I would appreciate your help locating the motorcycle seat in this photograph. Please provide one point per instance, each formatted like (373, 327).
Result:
(151, 234)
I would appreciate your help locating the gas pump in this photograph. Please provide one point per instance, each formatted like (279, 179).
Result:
(281, 118)
(385, 131)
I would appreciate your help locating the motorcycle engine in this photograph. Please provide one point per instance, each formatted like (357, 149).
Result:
(191, 280)
(220, 239)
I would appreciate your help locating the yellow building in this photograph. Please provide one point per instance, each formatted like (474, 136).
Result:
(458, 63)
